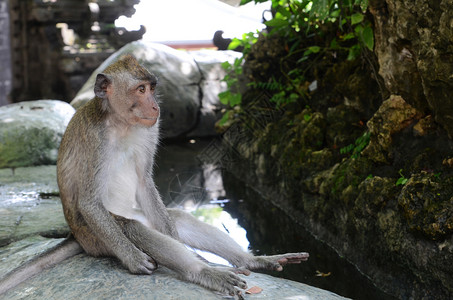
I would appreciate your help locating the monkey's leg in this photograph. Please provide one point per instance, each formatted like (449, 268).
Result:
(174, 255)
(205, 237)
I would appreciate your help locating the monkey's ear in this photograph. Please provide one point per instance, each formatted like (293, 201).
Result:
(100, 87)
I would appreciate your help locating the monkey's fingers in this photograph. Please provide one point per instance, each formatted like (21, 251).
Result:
(147, 267)
(293, 258)
(154, 263)
(145, 270)
(142, 264)
(236, 281)
(238, 295)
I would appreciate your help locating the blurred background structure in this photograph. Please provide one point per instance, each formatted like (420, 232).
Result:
(48, 48)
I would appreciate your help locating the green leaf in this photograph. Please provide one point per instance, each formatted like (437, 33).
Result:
(224, 96)
(226, 65)
(368, 38)
(304, 58)
(320, 9)
(293, 97)
(307, 53)
(244, 2)
(284, 11)
(225, 118)
(354, 52)
(356, 18)
(314, 49)
(237, 62)
(235, 99)
(401, 181)
(335, 13)
(348, 36)
(277, 23)
(358, 29)
(234, 44)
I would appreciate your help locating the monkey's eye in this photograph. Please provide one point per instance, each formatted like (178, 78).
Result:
(153, 87)
(142, 89)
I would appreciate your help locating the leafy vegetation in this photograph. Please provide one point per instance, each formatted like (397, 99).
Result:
(402, 180)
(306, 28)
(232, 97)
(356, 148)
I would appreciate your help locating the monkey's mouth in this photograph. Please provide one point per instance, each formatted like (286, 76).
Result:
(148, 121)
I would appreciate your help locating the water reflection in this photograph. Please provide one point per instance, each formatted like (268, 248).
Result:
(216, 198)
(187, 184)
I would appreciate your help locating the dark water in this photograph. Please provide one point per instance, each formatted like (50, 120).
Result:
(217, 197)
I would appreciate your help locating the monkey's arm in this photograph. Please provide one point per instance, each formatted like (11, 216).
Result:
(105, 228)
(155, 210)
(174, 255)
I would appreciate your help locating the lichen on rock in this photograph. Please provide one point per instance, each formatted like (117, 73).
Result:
(393, 116)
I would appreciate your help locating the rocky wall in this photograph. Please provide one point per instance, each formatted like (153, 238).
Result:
(370, 178)
(414, 48)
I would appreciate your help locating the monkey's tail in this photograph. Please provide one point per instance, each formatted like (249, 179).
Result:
(66, 249)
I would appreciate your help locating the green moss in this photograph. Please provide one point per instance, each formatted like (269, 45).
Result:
(34, 146)
(427, 205)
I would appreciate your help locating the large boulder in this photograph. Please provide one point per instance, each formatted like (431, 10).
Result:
(32, 221)
(30, 132)
(105, 278)
(189, 84)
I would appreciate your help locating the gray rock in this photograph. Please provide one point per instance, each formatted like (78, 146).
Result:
(28, 205)
(209, 62)
(30, 132)
(28, 212)
(189, 85)
(85, 277)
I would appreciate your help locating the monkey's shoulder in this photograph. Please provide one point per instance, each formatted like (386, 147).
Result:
(86, 128)
(92, 112)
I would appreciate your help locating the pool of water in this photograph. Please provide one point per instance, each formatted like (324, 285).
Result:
(218, 198)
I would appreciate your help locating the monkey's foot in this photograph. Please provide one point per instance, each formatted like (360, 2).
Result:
(276, 262)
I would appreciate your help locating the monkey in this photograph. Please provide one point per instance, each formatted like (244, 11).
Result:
(111, 204)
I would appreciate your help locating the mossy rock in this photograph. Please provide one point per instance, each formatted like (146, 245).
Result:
(30, 132)
(428, 205)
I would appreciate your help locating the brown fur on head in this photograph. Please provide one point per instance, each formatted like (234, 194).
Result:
(128, 90)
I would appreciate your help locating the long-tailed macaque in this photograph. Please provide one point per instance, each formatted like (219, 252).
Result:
(105, 176)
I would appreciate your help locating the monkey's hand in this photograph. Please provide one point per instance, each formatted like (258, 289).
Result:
(276, 262)
(221, 279)
(139, 263)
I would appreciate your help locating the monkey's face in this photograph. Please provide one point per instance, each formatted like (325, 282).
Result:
(128, 92)
(131, 100)
(143, 108)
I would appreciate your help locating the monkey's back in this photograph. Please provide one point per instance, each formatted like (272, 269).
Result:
(77, 165)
